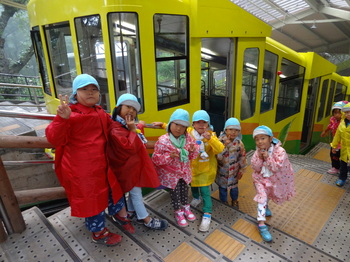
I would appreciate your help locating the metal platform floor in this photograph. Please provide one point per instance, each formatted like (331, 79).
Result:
(314, 226)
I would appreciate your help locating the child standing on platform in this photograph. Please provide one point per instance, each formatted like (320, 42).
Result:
(79, 133)
(231, 161)
(205, 165)
(273, 175)
(129, 160)
(334, 122)
(342, 136)
(172, 155)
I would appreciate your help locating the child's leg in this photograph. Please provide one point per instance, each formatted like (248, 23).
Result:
(136, 199)
(100, 234)
(176, 200)
(234, 193)
(195, 192)
(343, 173)
(119, 214)
(207, 203)
(196, 196)
(207, 208)
(223, 194)
(264, 231)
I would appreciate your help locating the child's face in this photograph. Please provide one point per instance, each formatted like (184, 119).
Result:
(347, 115)
(200, 126)
(263, 141)
(337, 114)
(88, 95)
(231, 133)
(177, 129)
(128, 111)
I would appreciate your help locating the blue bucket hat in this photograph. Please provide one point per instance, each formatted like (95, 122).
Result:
(201, 115)
(181, 117)
(129, 100)
(346, 108)
(232, 123)
(264, 130)
(79, 82)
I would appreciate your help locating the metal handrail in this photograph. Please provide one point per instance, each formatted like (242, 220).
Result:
(7, 113)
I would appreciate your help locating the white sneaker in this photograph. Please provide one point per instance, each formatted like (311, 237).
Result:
(205, 224)
(195, 202)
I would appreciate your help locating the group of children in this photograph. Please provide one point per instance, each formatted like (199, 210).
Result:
(340, 145)
(101, 158)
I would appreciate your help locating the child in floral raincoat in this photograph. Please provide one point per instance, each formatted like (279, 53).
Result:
(273, 175)
(172, 155)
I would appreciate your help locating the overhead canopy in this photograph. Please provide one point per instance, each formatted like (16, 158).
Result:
(321, 26)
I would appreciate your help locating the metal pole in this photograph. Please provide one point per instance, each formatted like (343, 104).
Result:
(5, 218)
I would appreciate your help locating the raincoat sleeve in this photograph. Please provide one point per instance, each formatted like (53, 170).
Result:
(256, 162)
(337, 138)
(242, 159)
(215, 144)
(57, 132)
(161, 155)
(275, 162)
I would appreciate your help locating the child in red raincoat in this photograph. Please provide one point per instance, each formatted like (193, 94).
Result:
(79, 133)
(130, 161)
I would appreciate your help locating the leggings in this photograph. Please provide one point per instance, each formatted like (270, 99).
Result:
(262, 211)
(179, 195)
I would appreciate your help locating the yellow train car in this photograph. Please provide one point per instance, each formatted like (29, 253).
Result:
(188, 54)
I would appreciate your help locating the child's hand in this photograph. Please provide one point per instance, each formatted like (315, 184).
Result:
(63, 110)
(174, 154)
(239, 175)
(130, 121)
(264, 154)
(206, 135)
(334, 150)
(324, 133)
(192, 148)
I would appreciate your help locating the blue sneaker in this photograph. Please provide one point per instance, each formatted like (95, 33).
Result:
(268, 212)
(340, 182)
(265, 234)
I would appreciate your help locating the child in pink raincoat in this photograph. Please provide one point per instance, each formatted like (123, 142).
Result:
(273, 175)
(172, 155)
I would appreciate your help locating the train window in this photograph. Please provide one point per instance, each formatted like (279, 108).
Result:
(290, 89)
(340, 92)
(249, 82)
(330, 98)
(124, 41)
(322, 99)
(59, 41)
(269, 81)
(92, 54)
(171, 50)
(35, 34)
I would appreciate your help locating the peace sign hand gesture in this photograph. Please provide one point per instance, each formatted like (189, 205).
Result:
(63, 109)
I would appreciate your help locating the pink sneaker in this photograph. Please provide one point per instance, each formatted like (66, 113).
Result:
(333, 171)
(180, 219)
(188, 213)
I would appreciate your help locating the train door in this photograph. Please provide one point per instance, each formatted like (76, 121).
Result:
(216, 79)
(309, 113)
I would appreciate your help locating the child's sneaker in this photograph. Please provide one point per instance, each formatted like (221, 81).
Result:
(106, 238)
(333, 171)
(235, 204)
(195, 202)
(188, 213)
(340, 182)
(124, 222)
(180, 219)
(265, 234)
(205, 224)
(156, 223)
